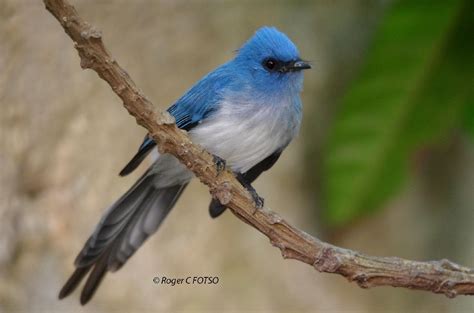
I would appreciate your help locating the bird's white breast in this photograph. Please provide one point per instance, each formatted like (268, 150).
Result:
(246, 133)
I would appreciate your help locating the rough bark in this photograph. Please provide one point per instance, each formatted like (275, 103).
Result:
(443, 277)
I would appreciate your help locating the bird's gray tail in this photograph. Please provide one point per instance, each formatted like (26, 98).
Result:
(121, 231)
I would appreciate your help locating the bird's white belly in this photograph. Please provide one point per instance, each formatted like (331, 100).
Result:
(242, 139)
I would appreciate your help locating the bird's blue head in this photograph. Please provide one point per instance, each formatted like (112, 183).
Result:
(272, 60)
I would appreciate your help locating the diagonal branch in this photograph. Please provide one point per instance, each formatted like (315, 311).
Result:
(442, 277)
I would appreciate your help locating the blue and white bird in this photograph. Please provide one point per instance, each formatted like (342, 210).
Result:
(245, 112)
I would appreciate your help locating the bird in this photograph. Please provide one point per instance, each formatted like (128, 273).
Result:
(245, 112)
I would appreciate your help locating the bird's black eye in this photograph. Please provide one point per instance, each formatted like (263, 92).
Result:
(270, 64)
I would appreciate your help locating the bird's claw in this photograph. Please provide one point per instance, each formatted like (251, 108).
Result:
(259, 201)
(219, 163)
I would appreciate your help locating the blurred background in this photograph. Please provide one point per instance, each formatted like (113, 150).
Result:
(384, 163)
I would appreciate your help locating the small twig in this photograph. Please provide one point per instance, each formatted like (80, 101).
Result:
(442, 277)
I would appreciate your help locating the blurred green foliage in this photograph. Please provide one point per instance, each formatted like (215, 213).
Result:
(412, 91)
(469, 114)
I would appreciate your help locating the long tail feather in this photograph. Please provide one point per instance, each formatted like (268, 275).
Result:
(74, 281)
(121, 231)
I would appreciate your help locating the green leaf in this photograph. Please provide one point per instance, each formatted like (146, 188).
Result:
(411, 92)
(469, 115)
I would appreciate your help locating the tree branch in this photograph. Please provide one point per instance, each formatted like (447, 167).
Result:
(442, 277)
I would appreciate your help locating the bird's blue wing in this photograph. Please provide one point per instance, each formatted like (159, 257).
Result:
(202, 99)
(195, 105)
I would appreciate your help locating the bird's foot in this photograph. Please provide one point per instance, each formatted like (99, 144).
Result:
(259, 201)
(219, 163)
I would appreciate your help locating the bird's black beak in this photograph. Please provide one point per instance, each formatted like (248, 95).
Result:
(294, 66)
(300, 65)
